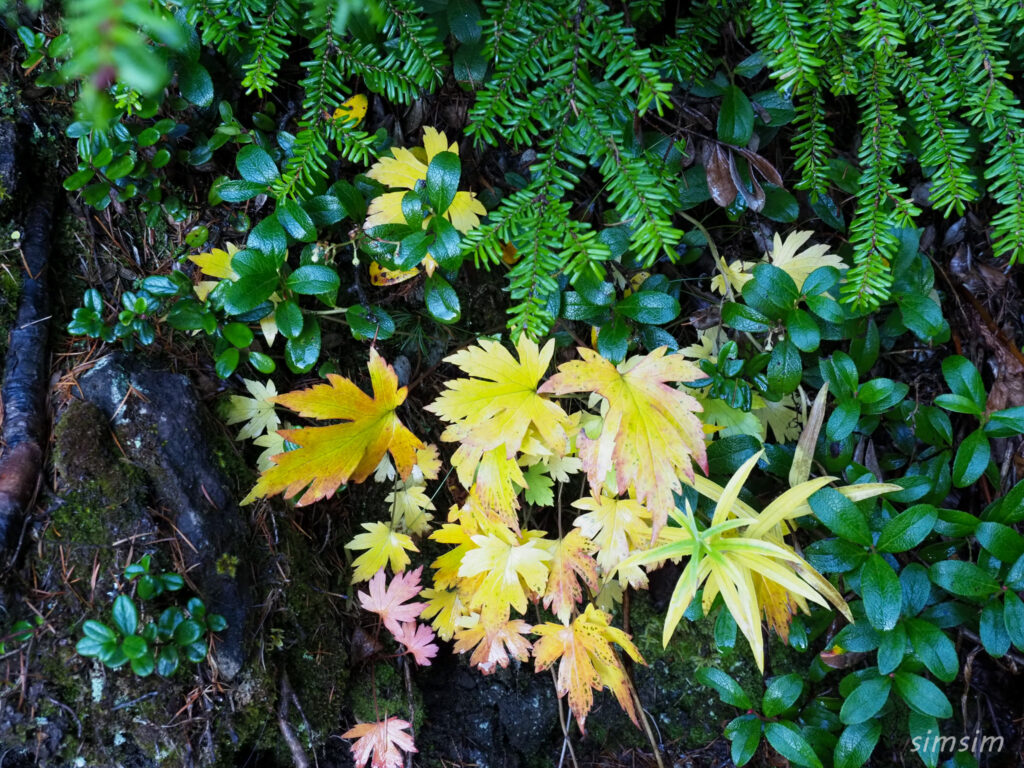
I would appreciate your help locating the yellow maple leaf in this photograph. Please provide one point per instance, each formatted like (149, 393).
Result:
(446, 566)
(572, 561)
(492, 413)
(619, 527)
(650, 435)
(787, 256)
(511, 566)
(588, 661)
(403, 170)
(384, 546)
(445, 607)
(345, 452)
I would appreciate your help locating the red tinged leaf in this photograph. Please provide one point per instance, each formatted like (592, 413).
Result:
(381, 744)
(418, 640)
(651, 434)
(390, 602)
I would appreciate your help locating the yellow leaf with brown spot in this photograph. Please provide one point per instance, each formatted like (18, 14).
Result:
(587, 661)
(571, 562)
(382, 276)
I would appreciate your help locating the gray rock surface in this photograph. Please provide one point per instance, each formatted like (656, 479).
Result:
(158, 422)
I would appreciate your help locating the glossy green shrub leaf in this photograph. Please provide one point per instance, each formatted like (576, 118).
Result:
(134, 646)
(908, 529)
(841, 516)
(288, 317)
(866, 700)
(892, 647)
(879, 395)
(187, 632)
(195, 84)
(922, 316)
(143, 665)
(441, 300)
(735, 118)
(167, 661)
(226, 362)
(803, 331)
(883, 596)
(650, 307)
(963, 578)
(963, 379)
(238, 335)
(613, 340)
(443, 176)
(125, 615)
(785, 367)
(781, 694)
(922, 695)
(835, 555)
(314, 280)
(302, 352)
(745, 734)
(933, 648)
(256, 165)
(296, 221)
(992, 629)
(856, 743)
(787, 740)
(744, 318)
(728, 689)
(1000, 540)
(95, 630)
(843, 420)
(770, 291)
(1013, 617)
(972, 457)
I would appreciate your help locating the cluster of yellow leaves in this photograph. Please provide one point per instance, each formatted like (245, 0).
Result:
(636, 441)
(216, 263)
(641, 438)
(786, 255)
(403, 170)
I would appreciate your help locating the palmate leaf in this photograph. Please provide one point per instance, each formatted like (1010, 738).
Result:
(381, 744)
(493, 412)
(390, 601)
(349, 451)
(651, 435)
(588, 661)
(571, 562)
(493, 638)
(743, 557)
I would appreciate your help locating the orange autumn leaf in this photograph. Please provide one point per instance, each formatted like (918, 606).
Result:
(381, 744)
(571, 562)
(650, 435)
(493, 638)
(348, 451)
(588, 661)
